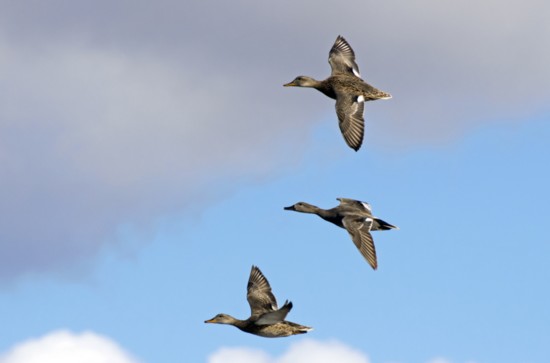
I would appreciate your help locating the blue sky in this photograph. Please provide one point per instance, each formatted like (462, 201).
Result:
(136, 198)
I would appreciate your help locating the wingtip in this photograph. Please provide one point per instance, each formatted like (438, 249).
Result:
(256, 268)
(354, 147)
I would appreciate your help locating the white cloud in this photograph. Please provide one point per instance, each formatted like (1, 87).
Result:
(241, 355)
(306, 350)
(67, 347)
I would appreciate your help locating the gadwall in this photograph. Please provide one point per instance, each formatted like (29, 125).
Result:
(356, 217)
(266, 319)
(346, 86)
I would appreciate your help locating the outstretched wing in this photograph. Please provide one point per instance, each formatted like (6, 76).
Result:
(342, 58)
(259, 295)
(350, 119)
(359, 230)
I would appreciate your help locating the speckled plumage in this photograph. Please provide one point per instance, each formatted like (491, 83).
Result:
(265, 319)
(347, 88)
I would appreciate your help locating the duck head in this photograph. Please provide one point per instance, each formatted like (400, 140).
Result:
(221, 319)
(302, 81)
(302, 207)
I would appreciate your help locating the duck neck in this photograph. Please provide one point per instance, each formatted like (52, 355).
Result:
(238, 323)
(325, 88)
(323, 213)
(329, 215)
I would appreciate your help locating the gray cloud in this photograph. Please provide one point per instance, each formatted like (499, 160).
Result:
(115, 113)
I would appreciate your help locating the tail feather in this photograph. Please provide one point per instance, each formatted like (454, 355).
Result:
(304, 330)
(381, 225)
(299, 329)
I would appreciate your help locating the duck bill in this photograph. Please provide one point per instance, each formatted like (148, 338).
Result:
(210, 320)
(289, 84)
(290, 208)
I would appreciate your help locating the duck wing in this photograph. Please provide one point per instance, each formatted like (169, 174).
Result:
(276, 316)
(359, 229)
(342, 58)
(259, 295)
(350, 119)
(362, 206)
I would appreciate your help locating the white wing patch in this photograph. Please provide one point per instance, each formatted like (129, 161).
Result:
(360, 99)
(369, 222)
(367, 205)
(356, 72)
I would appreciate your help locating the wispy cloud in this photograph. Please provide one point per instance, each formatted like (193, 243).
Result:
(67, 347)
(307, 350)
(113, 115)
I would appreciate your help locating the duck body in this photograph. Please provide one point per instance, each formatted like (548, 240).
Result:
(266, 320)
(342, 84)
(353, 208)
(282, 329)
(277, 330)
(355, 217)
(347, 88)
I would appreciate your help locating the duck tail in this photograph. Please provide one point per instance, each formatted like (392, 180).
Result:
(303, 329)
(382, 225)
(298, 329)
(384, 95)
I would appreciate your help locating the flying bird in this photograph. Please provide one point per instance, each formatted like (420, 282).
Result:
(346, 86)
(354, 216)
(266, 319)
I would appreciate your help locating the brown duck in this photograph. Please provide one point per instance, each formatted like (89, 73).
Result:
(266, 319)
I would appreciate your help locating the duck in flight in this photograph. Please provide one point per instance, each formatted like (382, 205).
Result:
(354, 216)
(350, 91)
(266, 319)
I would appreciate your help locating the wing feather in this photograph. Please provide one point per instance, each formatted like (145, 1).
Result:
(359, 229)
(342, 58)
(259, 295)
(350, 119)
